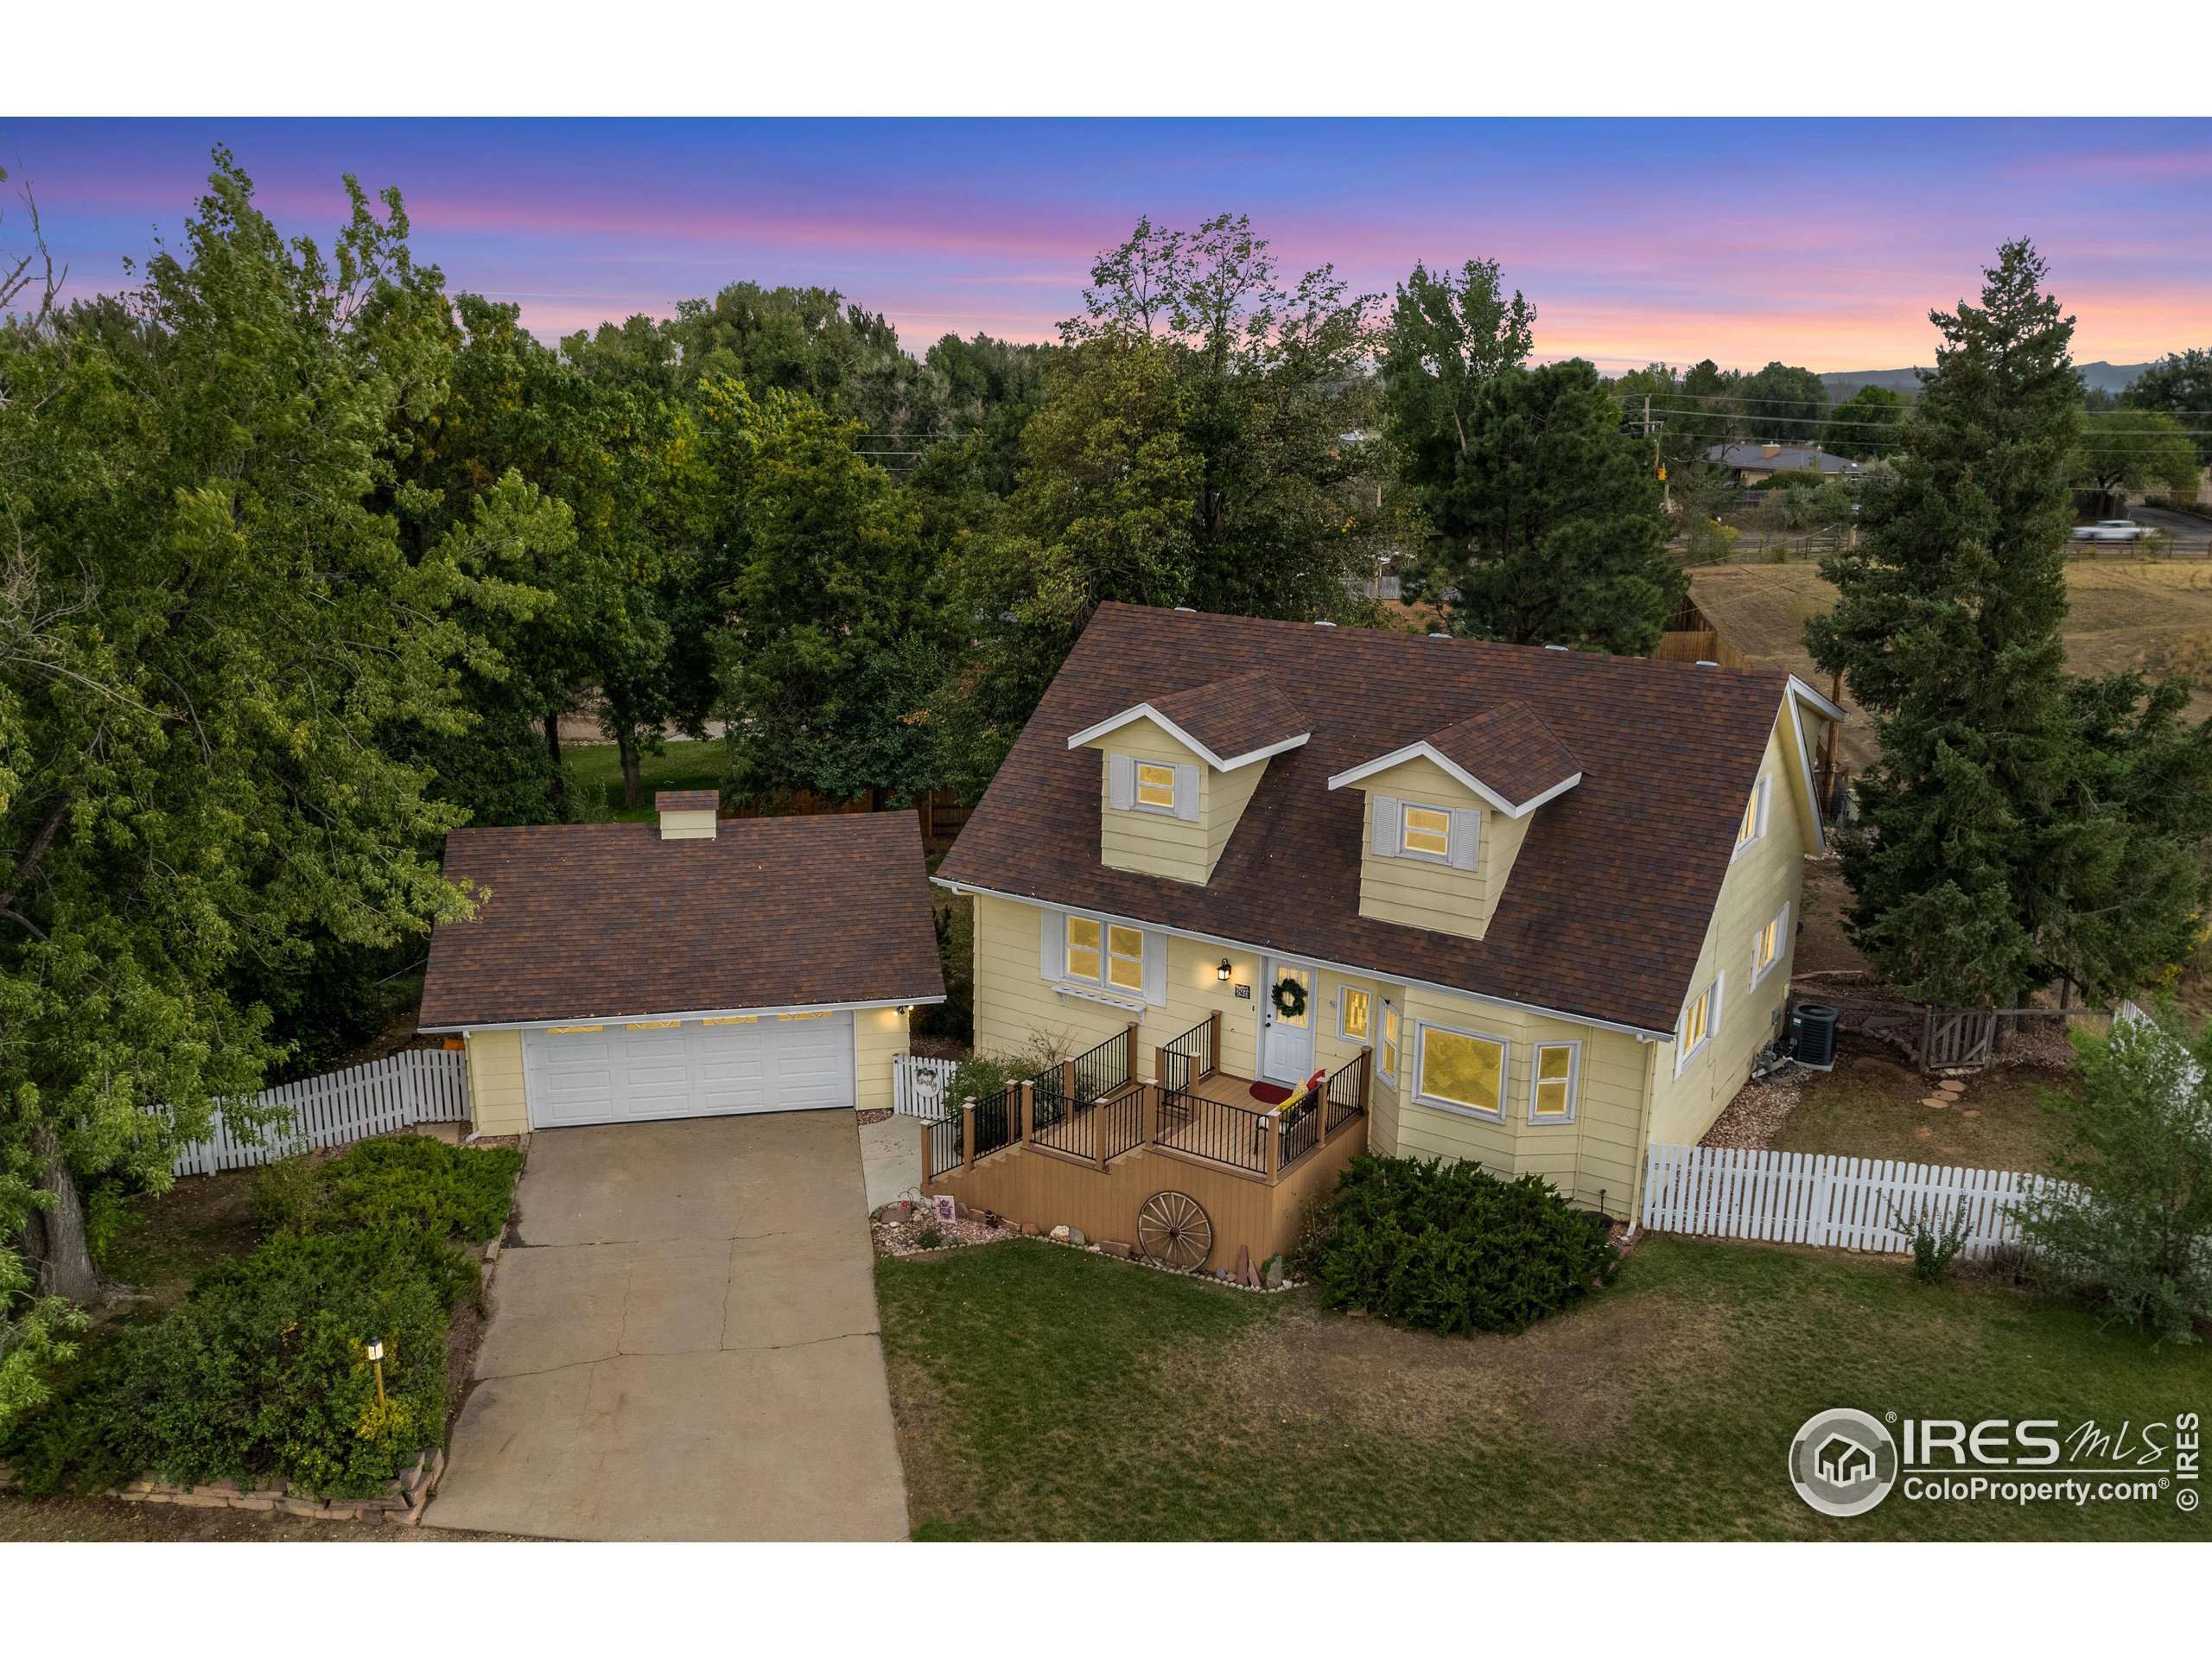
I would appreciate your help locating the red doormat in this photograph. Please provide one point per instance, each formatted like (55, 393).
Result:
(1270, 1094)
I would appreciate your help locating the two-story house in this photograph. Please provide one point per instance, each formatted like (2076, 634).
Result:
(1530, 907)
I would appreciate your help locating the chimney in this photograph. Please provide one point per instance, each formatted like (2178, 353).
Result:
(687, 814)
(1770, 450)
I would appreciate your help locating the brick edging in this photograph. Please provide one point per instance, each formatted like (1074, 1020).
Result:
(402, 1504)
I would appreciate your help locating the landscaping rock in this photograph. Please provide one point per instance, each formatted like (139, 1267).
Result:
(1274, 1273)
(1114, 1247)
(302, 1506)
(402, 1517)
(1936, 1102)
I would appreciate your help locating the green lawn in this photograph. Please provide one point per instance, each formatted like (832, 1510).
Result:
(1046, 1393)
(1872, 1107)
(682, 765)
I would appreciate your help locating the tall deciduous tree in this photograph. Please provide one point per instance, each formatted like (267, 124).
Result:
(2011, 831)
(1864, 424)
(1443, 348)
(208, 639)
(2123, 449)
(2179, 385)
(1557, 531)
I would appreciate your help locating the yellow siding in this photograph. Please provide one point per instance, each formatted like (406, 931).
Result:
(1417, 894)
(1151, 844)
(1223, 797)
(1766, 876)
(1593, 1159)
(496, 1102)
(878, 1035)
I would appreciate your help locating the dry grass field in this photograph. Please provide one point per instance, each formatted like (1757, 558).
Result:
(2154, 616)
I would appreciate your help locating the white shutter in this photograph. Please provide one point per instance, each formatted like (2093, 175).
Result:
(1052, 936)
(1187, 792)
(1387, 811)
(1155, 968)
(1466, 837)
(1121, 781)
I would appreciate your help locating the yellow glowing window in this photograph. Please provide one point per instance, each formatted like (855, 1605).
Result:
(1390, 1043)
(1155, 786)
(1695, 1018)
(1554, 1101)
(1125, 957)
(1083, 946)
(1766, 946)
(1748, 830)
(653, 1024)
(1427, 830)
(733, 1020)
(1354, 1012)
(563, 1030)
(1461, 1069)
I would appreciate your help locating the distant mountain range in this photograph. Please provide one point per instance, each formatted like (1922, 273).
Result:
(2098, 377)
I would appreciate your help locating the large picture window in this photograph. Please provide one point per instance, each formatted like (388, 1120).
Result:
(1461, 1071)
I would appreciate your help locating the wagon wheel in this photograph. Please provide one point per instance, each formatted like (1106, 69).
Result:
(1173, 1231)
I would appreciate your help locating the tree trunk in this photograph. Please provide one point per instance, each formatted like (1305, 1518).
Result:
(634, 778)
(559, 787)
(53, 1239)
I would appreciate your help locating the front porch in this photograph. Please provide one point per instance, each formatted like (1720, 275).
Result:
(1090, 1145)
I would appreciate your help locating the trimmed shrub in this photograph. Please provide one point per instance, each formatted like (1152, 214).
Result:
(1451, 1248)
(263, 1369)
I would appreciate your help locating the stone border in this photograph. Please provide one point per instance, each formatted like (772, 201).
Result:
(402, 1504)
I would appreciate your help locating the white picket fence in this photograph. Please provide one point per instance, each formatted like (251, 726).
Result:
(919, 1085)
(418, 1085)
(1803, 1198)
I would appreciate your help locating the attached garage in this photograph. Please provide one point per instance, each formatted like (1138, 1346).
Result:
(697, 968)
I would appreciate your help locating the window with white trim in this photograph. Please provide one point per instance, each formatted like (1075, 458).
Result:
(1425, 832)
(1105, 954)
(1700, 1016)
(1355, 1013)
(1391, 1042)
(1460, 1071)
(1766, 945)
(1156, 786)
(1553, 1081)
(1752, 824)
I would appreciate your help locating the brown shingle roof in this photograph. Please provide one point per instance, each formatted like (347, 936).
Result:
(583, 920)
(1510, 748)
(1235, 716)
(1610, 894)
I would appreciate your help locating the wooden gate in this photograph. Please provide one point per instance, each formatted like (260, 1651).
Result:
(1958, 1038)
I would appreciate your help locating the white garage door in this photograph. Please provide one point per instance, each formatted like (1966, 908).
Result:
(615, 1073)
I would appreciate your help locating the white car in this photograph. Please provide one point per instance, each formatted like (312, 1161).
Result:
(2110, 530)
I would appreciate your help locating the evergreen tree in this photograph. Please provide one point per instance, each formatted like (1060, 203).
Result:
(2008, 833)
(1559, 535)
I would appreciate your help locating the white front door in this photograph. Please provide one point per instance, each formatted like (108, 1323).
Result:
(1287, 1038)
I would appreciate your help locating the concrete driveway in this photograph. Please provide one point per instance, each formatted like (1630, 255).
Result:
(683, 1342)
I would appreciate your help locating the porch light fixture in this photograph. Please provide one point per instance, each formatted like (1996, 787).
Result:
(1222, 972)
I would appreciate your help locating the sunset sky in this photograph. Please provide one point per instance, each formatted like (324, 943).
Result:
(1820, 243)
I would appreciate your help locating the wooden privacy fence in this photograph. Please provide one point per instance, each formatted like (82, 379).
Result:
(1851, 1203)
(418, 1085)
(919, 1085)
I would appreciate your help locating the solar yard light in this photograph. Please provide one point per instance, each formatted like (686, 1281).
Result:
(376, 1358)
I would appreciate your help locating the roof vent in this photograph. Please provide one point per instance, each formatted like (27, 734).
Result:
(1440, 636)
(1703, 663)
(1324, 625)
(687, 814)
(1185, 610)
(1555, 647)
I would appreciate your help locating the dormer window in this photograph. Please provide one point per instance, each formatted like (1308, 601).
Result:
(1426, 833)
(1155, 787)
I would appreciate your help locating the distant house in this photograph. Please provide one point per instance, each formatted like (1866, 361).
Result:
(1752, 462)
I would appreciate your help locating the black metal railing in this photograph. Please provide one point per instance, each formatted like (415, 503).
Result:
(1104, 1069)
(945, 1146)
(1189, 1057)
(1117, 1125)
(1300, 1127)
(1344, 1095)
(1060, 1118)
(1236, 1136)
(998, 1120)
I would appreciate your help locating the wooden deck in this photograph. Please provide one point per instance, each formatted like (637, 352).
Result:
(1252, 1166)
